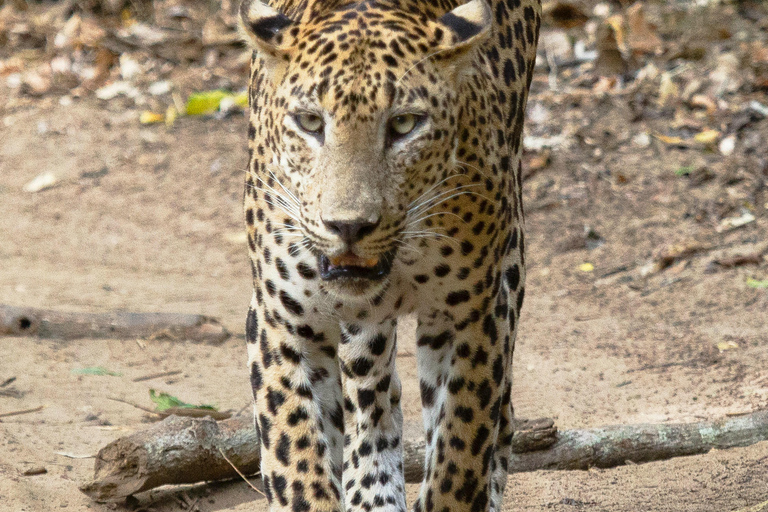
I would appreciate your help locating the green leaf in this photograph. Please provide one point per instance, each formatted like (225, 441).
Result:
(164, 401)
(754, 283)
(684, 171)
(95, 370)
(241, 99)
(203, 103)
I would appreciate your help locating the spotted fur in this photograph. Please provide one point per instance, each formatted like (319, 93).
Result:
(431, 221)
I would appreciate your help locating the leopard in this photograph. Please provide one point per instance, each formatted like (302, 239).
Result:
(384, 180)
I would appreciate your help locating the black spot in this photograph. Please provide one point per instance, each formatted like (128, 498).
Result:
(361, 366)
(303, 443)
(252, 326)
(299, 502)
(421, 278)
(266, 352)
(274, 400)
(337, 418)
(463, 351)
(282, 269)
(364, 449)
(283, 449)
(480, 438)
(512, 277)
(455, 298)
(436, 342)
(489, 329)
(381, 445)
(265, 427)
(427, 394)
(368, 480)
(390, 60)
(256, 379)
(306, 271)
(279, 484)
(480, 502)
(365, 397)
(498, 369)
(455, 385)
(305, 331)
(484, 393)
(378, 344)
(480, 357)
(290, 354)
(442, 270)
(291, 304)
(457, 443)
(383, 384)
(465, 414)
(297, 416)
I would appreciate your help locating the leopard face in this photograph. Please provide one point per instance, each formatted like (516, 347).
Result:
(367, 129)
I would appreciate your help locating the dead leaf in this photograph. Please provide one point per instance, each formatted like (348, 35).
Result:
(149, 117)
(609, 41)
(668, 90)
(668, 255)
(730, 223)
(563, 14)
(670, 140)
(540, 160)
(642, 37)
(703, 101)
(739, 260)
(707, 137)
(727, 345)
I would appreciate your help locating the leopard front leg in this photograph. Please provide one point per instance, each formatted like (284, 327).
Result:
(373, 453)
(298, 407)
(465, 357)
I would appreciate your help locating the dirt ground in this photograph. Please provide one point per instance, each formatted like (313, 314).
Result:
(148, 219)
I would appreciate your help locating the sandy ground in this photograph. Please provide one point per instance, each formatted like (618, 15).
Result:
(144, 219)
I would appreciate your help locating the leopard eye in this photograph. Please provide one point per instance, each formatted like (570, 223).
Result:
(403, 124)
(310, 123)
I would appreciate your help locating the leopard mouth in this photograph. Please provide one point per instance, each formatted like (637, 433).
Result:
(349, 266)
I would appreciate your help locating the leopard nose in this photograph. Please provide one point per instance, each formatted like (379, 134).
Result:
(351, 231)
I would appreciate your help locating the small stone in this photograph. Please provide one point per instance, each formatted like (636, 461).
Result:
(41, 182)
(160, 88)
(727, 145)
(641, 140)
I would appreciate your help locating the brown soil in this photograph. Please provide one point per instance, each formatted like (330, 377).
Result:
(158, 230)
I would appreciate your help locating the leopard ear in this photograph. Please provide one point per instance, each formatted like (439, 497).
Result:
(265, 29)
(465, 27)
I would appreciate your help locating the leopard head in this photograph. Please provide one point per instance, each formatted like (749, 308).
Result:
(354, 122)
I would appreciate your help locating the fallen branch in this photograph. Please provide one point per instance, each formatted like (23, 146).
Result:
(15, 321)
(185, 450)
(174, 451)
(25, 411)
(157, 375)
